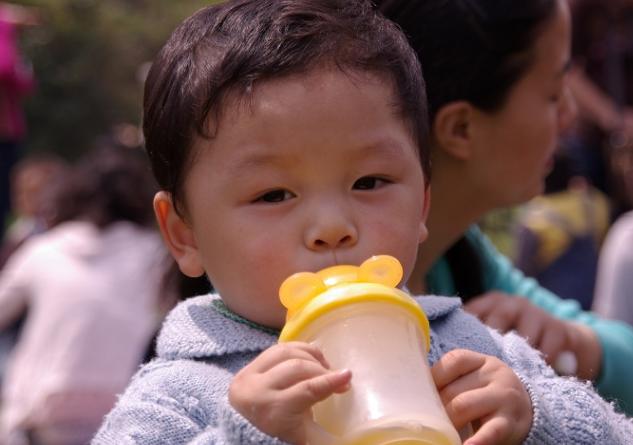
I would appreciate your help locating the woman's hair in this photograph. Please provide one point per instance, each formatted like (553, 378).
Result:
(107, 185)
(472, 50)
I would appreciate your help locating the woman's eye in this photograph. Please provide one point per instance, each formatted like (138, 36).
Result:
(555, 98)
(369, 183)
(275, 196)
(556, 95)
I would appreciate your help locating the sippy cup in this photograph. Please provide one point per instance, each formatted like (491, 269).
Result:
(362, 322)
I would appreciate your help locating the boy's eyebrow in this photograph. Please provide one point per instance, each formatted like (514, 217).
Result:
(386, 148)
(249, 161)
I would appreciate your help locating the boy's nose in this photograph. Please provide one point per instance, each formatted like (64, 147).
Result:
(330, 233)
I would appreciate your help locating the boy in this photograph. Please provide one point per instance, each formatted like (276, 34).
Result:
(289, 135)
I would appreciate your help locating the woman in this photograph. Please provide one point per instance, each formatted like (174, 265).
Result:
(496, 81)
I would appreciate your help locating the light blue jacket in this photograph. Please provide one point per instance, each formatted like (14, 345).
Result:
(616, 338)
(181, 397)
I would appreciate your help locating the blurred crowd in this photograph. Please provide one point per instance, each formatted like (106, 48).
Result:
(85, 280)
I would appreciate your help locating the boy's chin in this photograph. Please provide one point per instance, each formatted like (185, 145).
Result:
(272, 321)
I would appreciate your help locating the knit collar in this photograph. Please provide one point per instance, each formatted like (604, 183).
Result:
(202, 327)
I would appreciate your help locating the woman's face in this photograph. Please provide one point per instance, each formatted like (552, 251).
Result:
(513, 146)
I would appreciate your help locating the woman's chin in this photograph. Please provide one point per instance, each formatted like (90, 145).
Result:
(525, 195)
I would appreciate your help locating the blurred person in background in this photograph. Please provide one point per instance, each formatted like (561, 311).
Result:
(559, 234)
(614, 283)
(601, 81)
(91, 288)
(31, 181)
(16, 82)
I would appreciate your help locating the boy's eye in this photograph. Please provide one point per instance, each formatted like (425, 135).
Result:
(369, 183)
(278, 195)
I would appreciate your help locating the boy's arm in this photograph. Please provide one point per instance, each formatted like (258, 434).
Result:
(566, 410)
(178, 402)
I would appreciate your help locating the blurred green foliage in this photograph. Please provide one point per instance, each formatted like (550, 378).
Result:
(88, 57)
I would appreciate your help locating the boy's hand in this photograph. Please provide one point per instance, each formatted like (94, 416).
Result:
(484, 391)
(544, 332)
(276, 390)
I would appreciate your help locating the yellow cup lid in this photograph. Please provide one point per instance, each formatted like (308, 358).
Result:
(309, 295)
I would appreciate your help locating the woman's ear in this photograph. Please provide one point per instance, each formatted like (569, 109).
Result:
(178, 236)
(424, 232)
(452, 129)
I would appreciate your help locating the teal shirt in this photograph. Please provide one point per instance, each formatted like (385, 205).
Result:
(616, 338)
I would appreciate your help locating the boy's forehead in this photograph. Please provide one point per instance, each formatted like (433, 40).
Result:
(314, 103)
(290, 91)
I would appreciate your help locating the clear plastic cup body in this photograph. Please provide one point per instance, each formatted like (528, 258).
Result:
(392, 399)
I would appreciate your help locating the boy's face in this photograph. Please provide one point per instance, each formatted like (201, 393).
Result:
(311, 171)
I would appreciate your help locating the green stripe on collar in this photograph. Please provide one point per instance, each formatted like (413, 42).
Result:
(222, 309)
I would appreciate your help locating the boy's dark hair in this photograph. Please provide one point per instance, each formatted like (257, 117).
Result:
(221, 52)
(473, 50)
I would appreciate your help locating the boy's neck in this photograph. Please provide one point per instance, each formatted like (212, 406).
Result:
(224, 310)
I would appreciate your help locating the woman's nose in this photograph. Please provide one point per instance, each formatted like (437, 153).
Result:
(567, 110)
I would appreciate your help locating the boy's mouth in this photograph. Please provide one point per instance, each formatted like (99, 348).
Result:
(336, 262)
(339, 260)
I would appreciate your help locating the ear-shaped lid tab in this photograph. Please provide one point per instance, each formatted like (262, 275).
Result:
(381, 269)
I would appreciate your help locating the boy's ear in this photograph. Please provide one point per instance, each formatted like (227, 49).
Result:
(424, 232)
(178, 236)
(452, 130)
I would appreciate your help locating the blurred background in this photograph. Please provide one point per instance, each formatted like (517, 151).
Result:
(89, 58)
(84, 278)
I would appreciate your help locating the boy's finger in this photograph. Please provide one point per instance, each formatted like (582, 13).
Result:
(290, 372)
(465, 383)
(455, 364)
(495, 430)
(471, 406)
(308, 392)
(287, 351)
